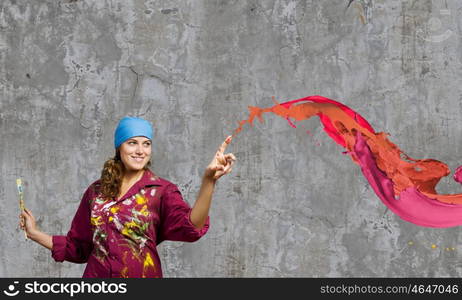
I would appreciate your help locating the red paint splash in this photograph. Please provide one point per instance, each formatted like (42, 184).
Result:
(405, 185)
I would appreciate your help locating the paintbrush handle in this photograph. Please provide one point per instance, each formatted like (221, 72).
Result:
(21, 200)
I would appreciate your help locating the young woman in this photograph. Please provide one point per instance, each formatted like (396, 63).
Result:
(126, 213)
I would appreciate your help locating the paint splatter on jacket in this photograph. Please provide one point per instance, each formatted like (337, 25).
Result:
(118, 238)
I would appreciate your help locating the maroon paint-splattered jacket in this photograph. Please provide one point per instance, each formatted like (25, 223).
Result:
(118, 238)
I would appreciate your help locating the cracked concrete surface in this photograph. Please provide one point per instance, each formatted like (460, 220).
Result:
(293, 206)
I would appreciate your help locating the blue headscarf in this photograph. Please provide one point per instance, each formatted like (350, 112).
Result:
(129, 127)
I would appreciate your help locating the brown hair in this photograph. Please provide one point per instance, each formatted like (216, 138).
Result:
(112, 175)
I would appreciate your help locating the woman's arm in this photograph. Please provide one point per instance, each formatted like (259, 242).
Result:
(201, 207)
(28, 224)
(77, 244)
(220, 165)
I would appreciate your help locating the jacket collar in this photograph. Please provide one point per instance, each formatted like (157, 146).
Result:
(148, 179)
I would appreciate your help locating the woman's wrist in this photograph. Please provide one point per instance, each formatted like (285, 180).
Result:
(208, 179)
(33, 235)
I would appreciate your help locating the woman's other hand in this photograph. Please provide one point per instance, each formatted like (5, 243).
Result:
(221, 163)
(27, 222)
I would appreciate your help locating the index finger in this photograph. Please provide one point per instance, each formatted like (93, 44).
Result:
(225, 144)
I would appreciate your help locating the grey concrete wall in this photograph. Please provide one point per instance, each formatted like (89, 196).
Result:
(293, 206)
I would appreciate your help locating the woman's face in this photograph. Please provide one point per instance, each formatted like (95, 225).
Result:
(135, 153)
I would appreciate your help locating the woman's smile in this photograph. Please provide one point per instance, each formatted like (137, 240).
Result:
(138, 159)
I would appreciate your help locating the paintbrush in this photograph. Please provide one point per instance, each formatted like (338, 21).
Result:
(21, 199)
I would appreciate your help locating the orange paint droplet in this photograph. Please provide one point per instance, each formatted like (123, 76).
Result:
(274, 100)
